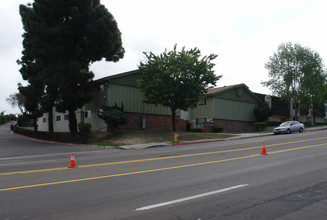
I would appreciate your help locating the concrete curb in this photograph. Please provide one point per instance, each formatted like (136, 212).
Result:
(144, 146)
(153, 145)
(241, 136)
(53, 142)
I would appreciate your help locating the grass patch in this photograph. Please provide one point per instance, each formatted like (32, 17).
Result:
(193, 136)
(108, 144)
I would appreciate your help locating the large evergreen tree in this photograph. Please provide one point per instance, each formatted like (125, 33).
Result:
(63, 37)
(32, 94)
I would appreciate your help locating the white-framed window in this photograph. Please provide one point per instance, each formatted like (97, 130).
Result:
(101, 88)
(99, 111)
(44, 120)
(268, 100)
(200, 121)
(203, 102)
(66, 117)
(87, 114)
(58, 118)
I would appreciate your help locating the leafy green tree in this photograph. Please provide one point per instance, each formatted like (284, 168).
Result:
(113, 116)
(296, 74)
(262, 112)
(62, 38)
(177, 79)
(313, 80)
(32, 94)
(16, 100)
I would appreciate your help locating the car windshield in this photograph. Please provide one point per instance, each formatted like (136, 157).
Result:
(285, 124)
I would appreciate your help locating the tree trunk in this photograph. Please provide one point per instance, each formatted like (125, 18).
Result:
(173, 117)
(35, 124)
(50, 119)
(72, 121)
(296, 108)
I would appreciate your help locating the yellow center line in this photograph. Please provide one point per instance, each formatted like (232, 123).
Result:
(298, 148)
(156, 170)
(126, 174)
(154, 159)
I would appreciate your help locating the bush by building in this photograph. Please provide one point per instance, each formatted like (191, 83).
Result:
(260, 126)
(217, 128)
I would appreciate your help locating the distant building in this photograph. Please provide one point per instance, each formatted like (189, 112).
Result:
(229, 106)
(281, 109)
(285, 111)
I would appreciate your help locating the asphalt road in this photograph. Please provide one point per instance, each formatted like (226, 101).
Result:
(220, 180)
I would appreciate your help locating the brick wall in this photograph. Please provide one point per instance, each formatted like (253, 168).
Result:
(231, 126)
(153, 122)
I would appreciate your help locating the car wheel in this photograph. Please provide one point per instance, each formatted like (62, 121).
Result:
(301, 130)
(288, 131)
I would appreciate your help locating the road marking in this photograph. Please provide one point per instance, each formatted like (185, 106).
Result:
(157, 170)
(31, 162)
(156, 158)
(190, 198)
(127, 174)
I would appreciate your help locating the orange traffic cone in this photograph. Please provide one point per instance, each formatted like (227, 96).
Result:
(72, 162)
(263, 151)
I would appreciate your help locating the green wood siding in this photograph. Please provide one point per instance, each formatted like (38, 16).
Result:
(233, 110)
(131, 97)
(204, 111)
(237, 94)
(130, 79)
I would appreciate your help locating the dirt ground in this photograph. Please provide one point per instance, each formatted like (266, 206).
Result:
(129, 138)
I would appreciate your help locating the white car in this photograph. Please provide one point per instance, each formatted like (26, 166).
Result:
(288, 127)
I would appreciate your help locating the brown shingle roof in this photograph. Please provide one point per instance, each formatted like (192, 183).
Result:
(219, 89)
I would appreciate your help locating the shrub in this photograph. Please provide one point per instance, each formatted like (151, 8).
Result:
(217, 128)
(84, 131)
(113, 116)
(273, 123)
(23, 120)
(260, 126)
(84, 127)
(320, 123)
(196, 130)
(308, 124)
(188, 126)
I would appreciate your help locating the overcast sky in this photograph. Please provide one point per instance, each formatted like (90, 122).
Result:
(244, 33)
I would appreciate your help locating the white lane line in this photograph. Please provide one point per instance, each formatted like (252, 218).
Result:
(41, 161)
(189, 198)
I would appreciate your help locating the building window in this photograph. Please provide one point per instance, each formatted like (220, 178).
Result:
(202, 102)
(58, 118)
(66, 117)
(44, 120)
(200, 121)
(98, 112)
(297, 105)
(87, 114)
(268, 100)
(101, 88)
